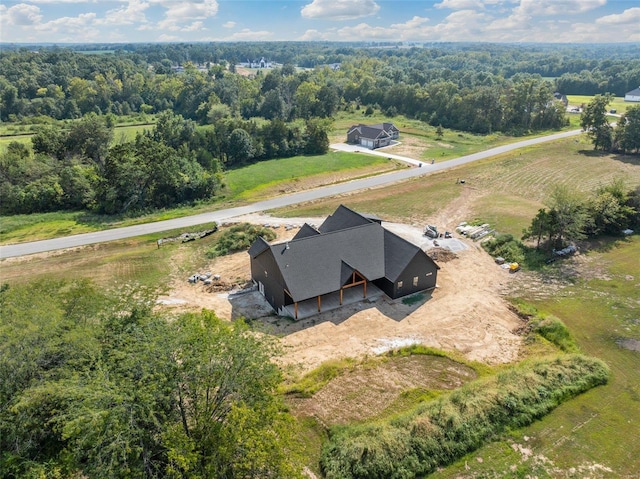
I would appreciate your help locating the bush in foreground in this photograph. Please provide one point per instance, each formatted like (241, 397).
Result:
(439, 432)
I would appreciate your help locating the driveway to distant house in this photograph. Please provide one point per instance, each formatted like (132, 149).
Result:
(23, 249)
(379, 152)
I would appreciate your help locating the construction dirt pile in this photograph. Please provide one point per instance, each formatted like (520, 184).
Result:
(441, 255)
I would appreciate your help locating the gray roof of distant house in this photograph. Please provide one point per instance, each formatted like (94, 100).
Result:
(634, 92)
(373, 132)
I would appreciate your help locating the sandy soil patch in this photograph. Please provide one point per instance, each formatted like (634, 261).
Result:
(465, 313)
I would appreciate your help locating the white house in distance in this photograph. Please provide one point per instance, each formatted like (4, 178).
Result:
(633, 95)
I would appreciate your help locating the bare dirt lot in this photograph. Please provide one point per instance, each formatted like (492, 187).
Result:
(465, 313)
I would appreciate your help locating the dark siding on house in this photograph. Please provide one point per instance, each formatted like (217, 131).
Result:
(421, 267)
(273, 281)
(385, 285)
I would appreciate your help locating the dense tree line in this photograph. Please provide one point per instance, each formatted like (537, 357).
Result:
(101, 386)
(623, 138)
(176, 162)
(435, 84)
(570, 216)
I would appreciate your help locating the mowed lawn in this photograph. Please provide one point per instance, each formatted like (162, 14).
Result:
(617, 103)
(269, 177)
(418, 139)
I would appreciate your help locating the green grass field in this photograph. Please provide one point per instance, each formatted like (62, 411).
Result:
(126, 128)
(617, 103)
(506, 191)
(596, 433)
(418, 139)
(255, 180)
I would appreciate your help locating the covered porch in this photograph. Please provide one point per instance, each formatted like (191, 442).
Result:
(327, 302)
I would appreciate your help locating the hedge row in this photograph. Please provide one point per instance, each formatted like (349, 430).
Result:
(439, 432)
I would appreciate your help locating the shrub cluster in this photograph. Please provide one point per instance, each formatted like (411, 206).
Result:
(437, 433)
(506, 246)
(238, 238)
(554, 331)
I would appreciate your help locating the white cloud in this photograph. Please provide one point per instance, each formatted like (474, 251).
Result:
(68, 25)
(180, 12)
(340, 9)
(131, 13)
(459, 4)
(557, 7)
(629, 16)
(168, 38)
(44, 2)
(250, 35)
(313, 35)
(21, 14)
(194, 27)
(229, 24)
(67, 29)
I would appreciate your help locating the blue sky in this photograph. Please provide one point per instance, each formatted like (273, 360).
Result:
(104, 21)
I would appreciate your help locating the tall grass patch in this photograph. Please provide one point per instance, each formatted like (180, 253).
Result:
(437, 433)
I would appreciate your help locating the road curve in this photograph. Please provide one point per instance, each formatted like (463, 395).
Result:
(23, 249)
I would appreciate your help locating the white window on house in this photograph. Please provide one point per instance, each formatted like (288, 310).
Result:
(428, 274)
(399, 284)
(415, 281)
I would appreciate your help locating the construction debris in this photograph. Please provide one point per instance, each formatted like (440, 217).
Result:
(441, 255)
(431, 231)
(568, 251)
(186, 237)
(474, 232)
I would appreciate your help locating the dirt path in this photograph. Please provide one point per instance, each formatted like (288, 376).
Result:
(466, 313)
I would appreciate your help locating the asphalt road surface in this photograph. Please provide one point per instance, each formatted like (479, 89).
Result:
(23, 249)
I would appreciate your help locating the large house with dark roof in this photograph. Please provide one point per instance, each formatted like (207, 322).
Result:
(349, 250)
(633, 95)
(373, 136)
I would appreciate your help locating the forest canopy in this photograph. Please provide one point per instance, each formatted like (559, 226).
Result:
(102, 386)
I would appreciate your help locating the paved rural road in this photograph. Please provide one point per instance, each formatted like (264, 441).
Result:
(279, 202)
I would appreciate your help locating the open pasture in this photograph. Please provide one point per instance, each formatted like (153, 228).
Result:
(506, 190)
(418, 139)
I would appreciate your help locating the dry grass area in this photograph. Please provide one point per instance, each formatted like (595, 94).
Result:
(365, 392)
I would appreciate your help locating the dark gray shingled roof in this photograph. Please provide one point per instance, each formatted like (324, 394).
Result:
(373, 132)
(383, 126)
(258, 246)
(320, 261)
(306, 230)
(398, 253)
(342, 218)
(320, 264)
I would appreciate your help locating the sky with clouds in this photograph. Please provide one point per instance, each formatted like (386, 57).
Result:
(117, 21)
